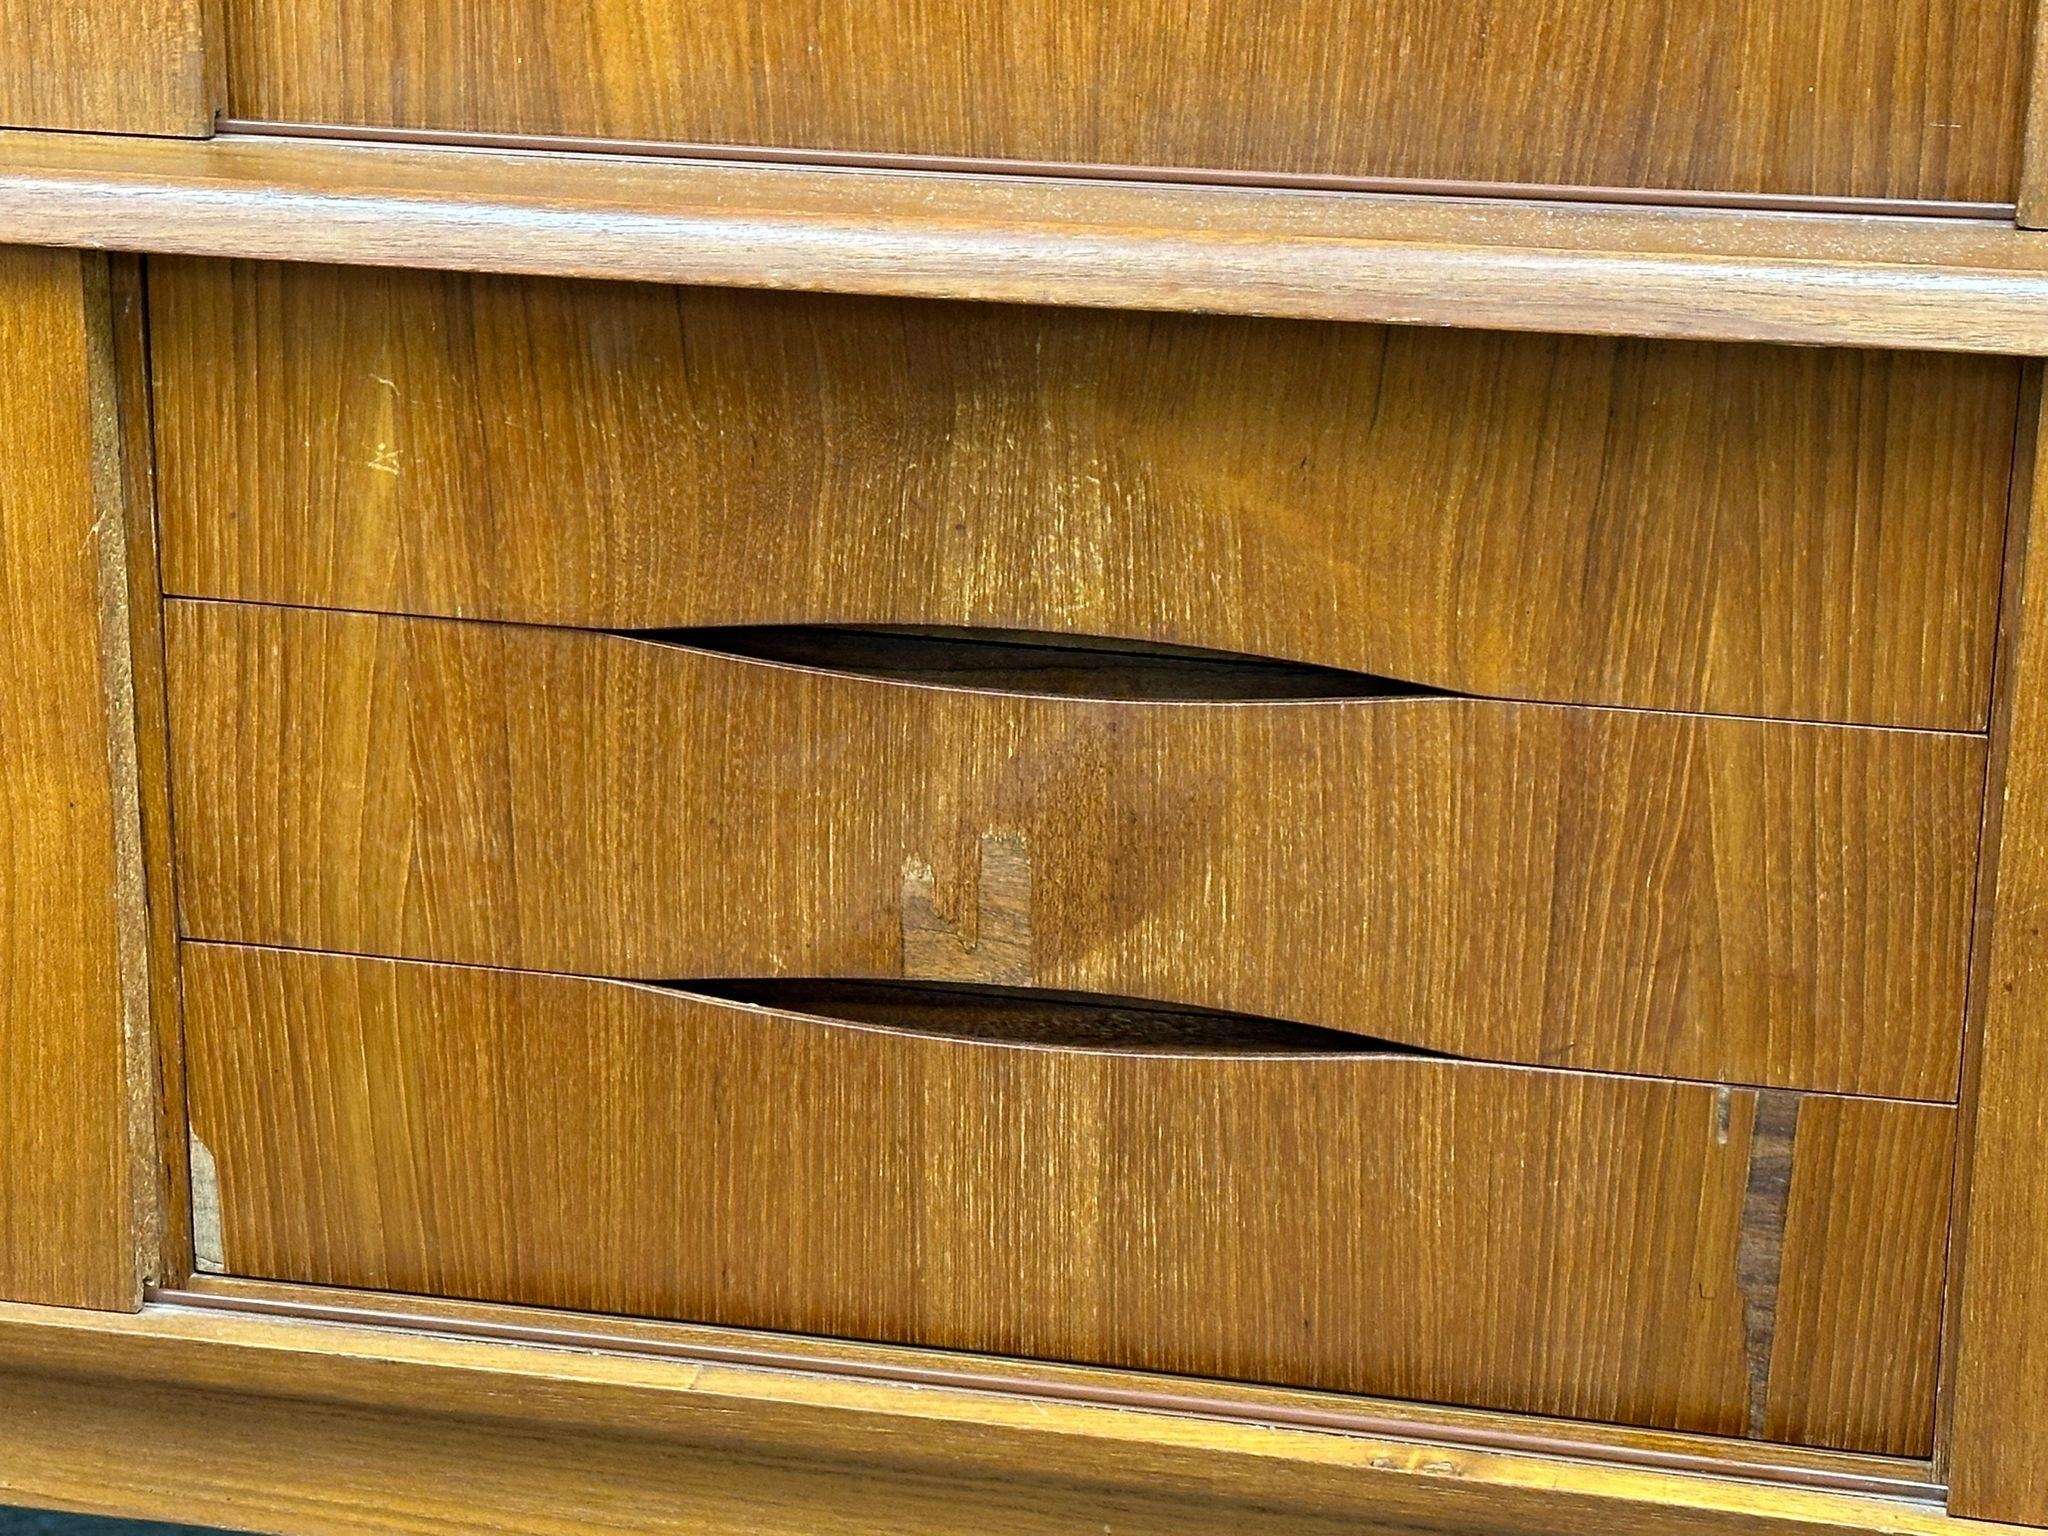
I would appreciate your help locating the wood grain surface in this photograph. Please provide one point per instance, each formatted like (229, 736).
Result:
(1497, 1236)
(1997, 1448)
(1688, 896)
(2032, 211)
(111, 66)
(69, 1198)
(337, 1428)
(1738, 529)
(1853, 97)
(1943, 284)
(160, 1068)
(1444, 1424)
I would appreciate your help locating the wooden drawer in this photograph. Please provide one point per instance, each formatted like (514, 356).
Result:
(1669, 1254)
(1733, 900)
(1834, 97)
(1741, 530)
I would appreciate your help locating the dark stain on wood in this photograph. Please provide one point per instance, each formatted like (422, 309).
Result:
(1761, 1249)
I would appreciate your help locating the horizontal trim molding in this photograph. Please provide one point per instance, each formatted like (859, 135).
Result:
(1422, 1424)
(330, 1426)
(1817, 278)
(758, 154)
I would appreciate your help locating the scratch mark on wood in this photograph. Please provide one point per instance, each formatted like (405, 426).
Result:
(1760, 1252)
(990, 942)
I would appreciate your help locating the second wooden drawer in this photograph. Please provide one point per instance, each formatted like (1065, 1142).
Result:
(1732, 900)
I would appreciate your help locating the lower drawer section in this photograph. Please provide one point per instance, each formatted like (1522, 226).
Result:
(1173, 1192)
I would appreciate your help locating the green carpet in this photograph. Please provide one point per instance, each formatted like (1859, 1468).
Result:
(36, 1522)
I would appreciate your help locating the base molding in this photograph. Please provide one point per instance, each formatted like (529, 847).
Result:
(312, 1427)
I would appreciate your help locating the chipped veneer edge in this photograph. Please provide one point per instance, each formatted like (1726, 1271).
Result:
(208, 1246)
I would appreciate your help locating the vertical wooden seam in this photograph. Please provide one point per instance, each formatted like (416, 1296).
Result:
(173, 1260)
(212, 44)
(110, 531)
(1997, 1444)
(2019, 500)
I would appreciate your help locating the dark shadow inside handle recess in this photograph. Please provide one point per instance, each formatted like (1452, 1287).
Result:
(1035, 661)
(1030, 1016)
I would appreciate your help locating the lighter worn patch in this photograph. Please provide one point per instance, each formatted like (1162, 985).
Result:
(208, 1250)
(990, 940)
(1760, 1254)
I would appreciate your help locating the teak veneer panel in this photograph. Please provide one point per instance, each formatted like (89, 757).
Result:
(1746, 530)
(67, 1189)
(1689, 896)
(1883, 98)
(1500, 1236)
(110, 66)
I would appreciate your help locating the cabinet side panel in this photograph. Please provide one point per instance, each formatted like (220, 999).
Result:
(1998, 1443)
(66, 1202)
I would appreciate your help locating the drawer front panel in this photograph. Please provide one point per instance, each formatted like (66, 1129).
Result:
(1741, 530)
(1886, 98)
(1745, 901)
(1665, 1254)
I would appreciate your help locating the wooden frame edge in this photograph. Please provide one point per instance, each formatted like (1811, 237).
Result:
(150, 912)
(112, 487)
(1710, 274)
(1069, 170)
(1037, 1380)
(1997, 1441)
(89, 1119)
(307, 1428)
(2027, 442)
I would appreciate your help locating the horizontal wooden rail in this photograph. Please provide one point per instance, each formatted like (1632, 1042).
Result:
(1830, 279)
(330, 1427)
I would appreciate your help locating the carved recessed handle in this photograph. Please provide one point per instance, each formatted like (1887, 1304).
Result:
(1038, 662)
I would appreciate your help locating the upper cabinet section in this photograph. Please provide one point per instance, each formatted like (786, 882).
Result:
(1832, 98)
(109, 66)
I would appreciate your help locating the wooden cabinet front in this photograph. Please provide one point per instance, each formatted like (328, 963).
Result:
(1433, 865)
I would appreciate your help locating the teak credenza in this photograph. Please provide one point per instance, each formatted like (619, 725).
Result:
(1025, 768)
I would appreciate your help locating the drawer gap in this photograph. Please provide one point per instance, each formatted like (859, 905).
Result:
(1037, 662)
(1030, 1016)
